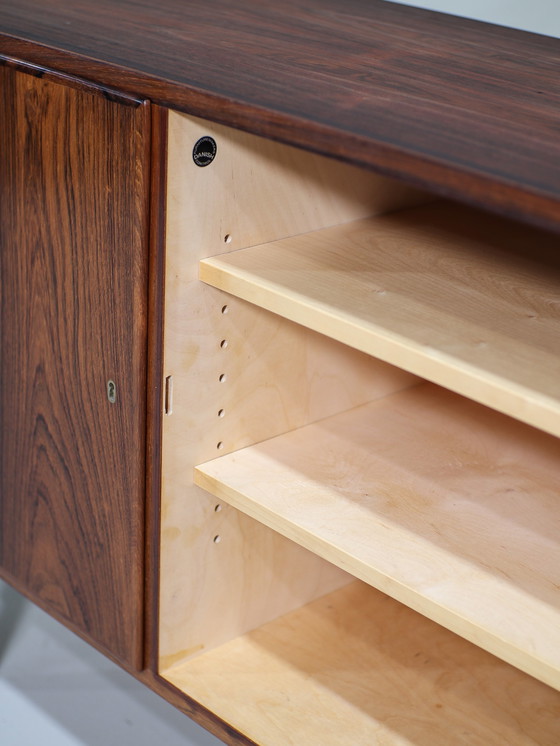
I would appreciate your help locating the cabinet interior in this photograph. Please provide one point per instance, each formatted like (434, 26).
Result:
(362, 404)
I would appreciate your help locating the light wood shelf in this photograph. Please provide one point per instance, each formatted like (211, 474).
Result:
(445, 505)
(463, 299)
(355, 667)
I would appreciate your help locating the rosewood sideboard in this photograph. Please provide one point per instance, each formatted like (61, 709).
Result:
(280, 370)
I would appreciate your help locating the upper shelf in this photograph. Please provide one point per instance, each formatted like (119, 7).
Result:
(464, 300)
(466, 109)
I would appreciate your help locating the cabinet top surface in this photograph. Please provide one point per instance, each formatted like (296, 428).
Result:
(467, 109)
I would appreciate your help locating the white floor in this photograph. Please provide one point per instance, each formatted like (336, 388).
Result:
(55, 690)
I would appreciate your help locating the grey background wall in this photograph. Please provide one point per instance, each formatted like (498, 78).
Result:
(540, 16)
(57, 691)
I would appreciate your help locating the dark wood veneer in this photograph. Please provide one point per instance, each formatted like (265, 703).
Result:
(73, 256)
(154, 381)
(446, 103)
(45, 73)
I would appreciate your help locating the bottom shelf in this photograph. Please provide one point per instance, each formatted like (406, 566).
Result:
(356, 667)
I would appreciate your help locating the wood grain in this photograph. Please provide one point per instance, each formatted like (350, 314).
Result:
(397, 679)
(465, 108)
(443, 504)
(154, 382)
(73, 213)
(470, 302)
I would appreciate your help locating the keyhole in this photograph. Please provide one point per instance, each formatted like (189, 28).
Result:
(111, 392)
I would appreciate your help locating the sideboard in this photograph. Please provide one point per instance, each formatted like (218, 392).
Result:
(279, 378)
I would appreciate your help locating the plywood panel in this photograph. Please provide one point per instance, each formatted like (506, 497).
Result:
(240, 375)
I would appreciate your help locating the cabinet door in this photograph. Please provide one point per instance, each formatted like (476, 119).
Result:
(73, 258)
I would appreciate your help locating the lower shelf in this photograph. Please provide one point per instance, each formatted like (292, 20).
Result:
(443, 504)
(356, 667)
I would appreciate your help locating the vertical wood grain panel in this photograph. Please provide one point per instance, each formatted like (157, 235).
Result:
(156, 292)
(73, 218)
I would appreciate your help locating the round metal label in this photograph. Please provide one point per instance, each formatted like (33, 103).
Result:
(204, 151)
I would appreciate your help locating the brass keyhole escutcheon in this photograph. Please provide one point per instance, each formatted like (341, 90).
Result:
(111, 392)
